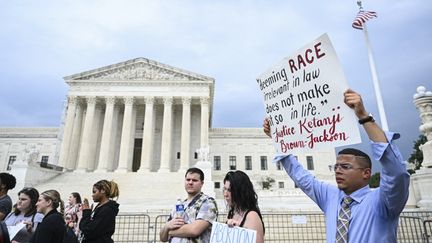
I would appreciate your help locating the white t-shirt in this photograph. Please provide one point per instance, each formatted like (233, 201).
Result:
(13, 219)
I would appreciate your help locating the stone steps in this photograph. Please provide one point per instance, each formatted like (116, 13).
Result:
(139, 192)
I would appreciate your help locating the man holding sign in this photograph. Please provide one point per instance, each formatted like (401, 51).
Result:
(353, 211)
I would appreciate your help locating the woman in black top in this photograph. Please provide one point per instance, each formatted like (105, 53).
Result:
(52, 228)
(98, 226)
(243, 203)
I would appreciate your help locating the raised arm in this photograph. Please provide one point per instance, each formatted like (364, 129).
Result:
(355, 102)
(394, 181)
(266, 127)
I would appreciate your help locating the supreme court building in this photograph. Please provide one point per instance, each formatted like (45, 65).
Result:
(143, 119)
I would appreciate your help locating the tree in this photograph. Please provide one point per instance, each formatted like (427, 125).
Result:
(416, 157)
(374, 180)
(267, 183)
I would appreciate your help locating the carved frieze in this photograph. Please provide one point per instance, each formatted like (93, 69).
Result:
(137, 71)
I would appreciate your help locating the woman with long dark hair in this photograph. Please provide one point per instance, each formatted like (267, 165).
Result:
(242, 201)
(98, 226)
(25, 211)
(73, 212)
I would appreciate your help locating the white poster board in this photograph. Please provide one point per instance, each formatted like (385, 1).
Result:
(303, 98)
(222, 233)
(299, 219)
(13, 230)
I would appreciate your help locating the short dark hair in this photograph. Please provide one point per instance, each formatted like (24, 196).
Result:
(197, 171)
(8, 180)
(359, 153)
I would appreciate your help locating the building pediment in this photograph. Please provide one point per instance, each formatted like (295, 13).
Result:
(140, 69)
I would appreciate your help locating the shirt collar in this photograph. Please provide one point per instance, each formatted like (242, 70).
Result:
(357, 196)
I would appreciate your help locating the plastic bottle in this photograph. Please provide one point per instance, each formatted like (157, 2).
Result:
(179, 208)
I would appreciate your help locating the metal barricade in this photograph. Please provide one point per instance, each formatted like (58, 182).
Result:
(302, 227)
(158, 224)
(427, 224)
(410, 229)
(279, 227)
(132, 228)
(422, 214)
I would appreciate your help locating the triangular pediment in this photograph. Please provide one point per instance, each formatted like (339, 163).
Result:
(138, 69)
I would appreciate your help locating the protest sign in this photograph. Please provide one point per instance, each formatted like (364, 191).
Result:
(14, 231)
(222, 233)
(303, 99)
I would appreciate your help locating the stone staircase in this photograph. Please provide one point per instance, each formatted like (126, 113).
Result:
(139, 192)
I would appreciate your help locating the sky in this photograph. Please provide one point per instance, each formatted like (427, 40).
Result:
(231, 41)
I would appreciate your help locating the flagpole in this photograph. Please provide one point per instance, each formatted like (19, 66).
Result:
(376, 85)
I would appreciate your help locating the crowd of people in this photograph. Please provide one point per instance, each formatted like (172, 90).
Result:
(354, 212)
(43, 218)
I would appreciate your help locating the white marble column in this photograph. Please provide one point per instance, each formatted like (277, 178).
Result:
(126, 136)
(86, 146)
(148, 136)
(107, 136)
(67, 132)
(75, 141)
(115, 145)
(204, 121)
(185, 134)
(166, 135)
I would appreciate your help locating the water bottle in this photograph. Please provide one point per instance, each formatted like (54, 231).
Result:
(179, 208)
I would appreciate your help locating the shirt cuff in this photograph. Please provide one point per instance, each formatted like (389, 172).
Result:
(280, 157)
(378, 148)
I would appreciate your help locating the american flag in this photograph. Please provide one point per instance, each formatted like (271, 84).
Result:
(362, 17)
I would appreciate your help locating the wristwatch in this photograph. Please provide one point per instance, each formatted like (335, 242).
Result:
(369, 118)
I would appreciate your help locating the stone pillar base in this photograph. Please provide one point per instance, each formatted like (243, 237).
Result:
(208, 187)
(164, 170)
(80, 171)
(101, 171)
(121, 170)
(422, 182)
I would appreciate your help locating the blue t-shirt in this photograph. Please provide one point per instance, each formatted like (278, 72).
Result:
(5, 205)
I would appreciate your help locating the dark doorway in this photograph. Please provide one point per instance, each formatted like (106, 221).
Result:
(136, 160)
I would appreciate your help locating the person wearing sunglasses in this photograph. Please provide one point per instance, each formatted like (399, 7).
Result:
(353, 211)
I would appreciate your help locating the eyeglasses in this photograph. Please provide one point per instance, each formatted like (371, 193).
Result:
(343, 167)
(226, 189)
